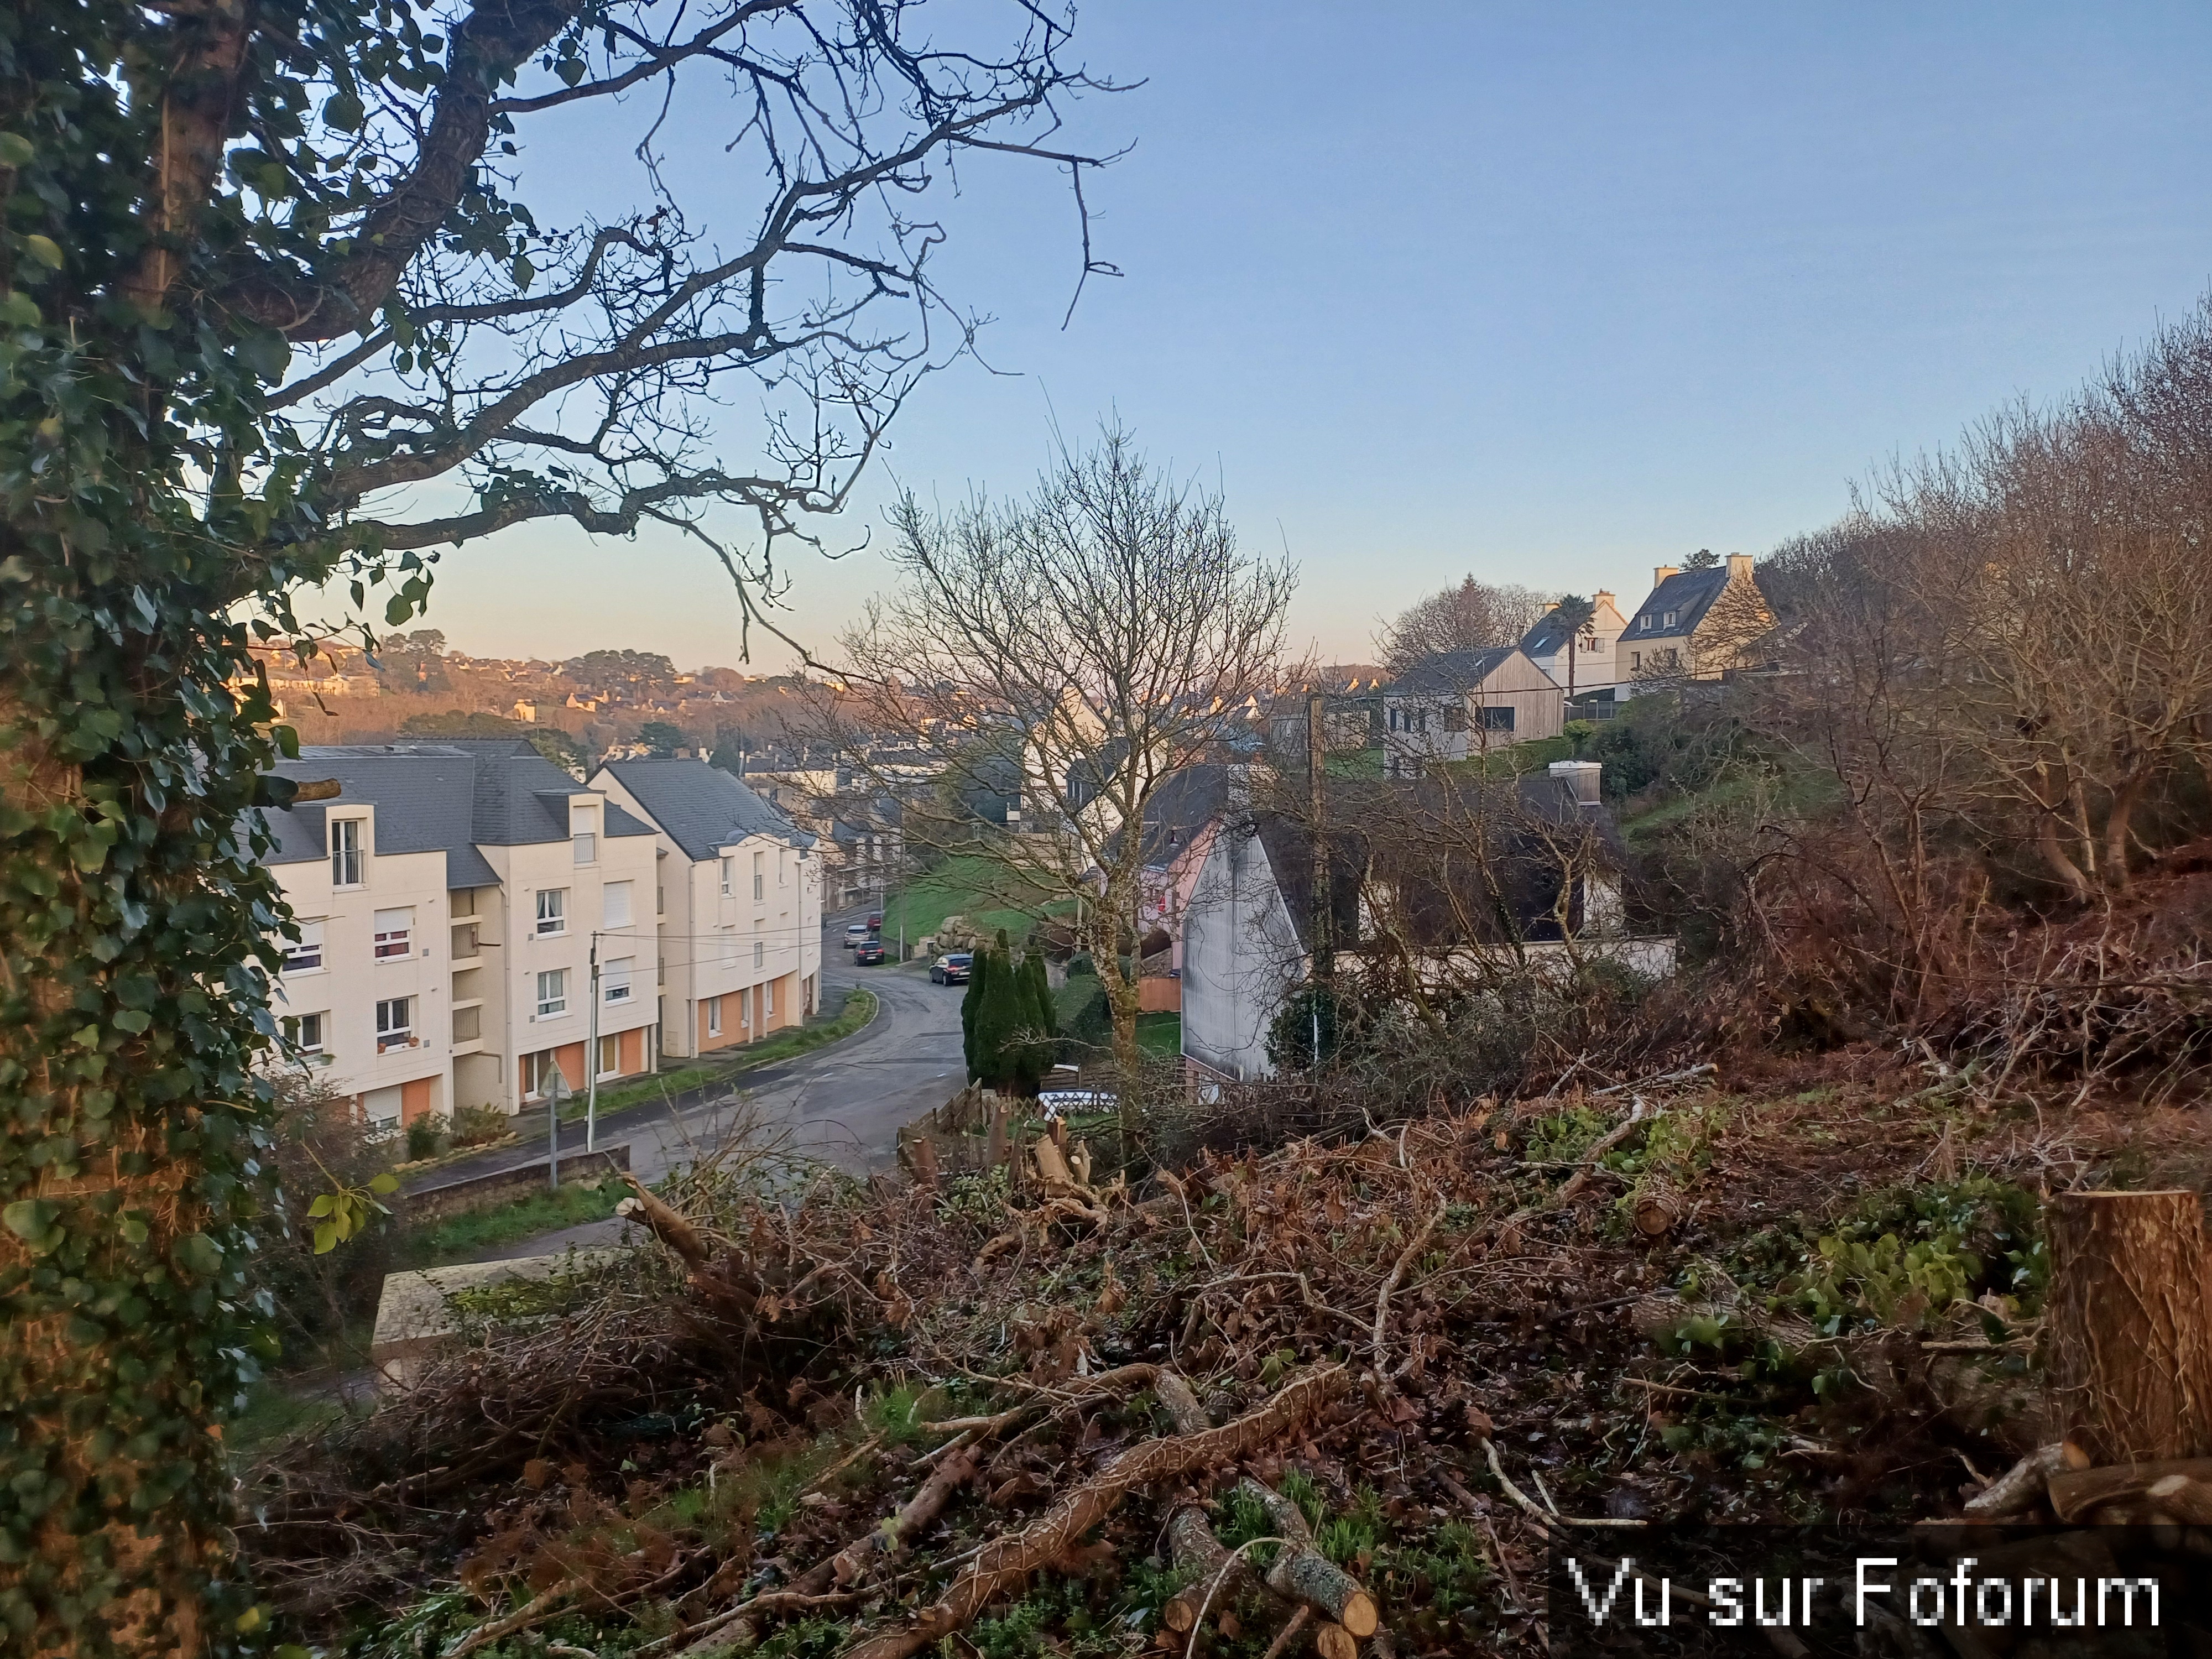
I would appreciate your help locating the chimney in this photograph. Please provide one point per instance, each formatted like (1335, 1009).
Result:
(1581, 776)
(1739, 567)
(1660, 572)
(1603, 596)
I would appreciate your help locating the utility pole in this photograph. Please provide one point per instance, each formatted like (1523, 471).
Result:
(591, 1061)
(1324, 943)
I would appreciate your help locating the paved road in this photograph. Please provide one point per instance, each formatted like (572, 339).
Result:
(843, 1104)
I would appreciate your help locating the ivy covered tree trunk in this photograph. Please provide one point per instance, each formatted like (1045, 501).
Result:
(132, 922)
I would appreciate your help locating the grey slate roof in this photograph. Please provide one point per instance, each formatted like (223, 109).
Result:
(453, 797)
(1548, 637)
(702, 808)
(1453, 670)
(1688, 593)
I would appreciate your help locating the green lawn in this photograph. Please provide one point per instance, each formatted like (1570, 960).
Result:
(461, 1236)
(984, 891)
(1160, 1036)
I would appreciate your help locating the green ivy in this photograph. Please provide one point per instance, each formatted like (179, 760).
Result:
(153, 517)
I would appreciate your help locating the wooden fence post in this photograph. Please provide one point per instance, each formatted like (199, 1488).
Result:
(2131, 1319)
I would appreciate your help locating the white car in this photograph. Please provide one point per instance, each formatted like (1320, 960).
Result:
(856, 933)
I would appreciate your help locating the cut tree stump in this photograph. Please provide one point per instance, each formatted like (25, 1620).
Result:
(2131, 1324)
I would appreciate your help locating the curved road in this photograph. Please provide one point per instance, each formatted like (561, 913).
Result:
(843, 1104)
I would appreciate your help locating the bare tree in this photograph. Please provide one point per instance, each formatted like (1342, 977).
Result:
(1066, 655)
(601, 372)
(1470, 617)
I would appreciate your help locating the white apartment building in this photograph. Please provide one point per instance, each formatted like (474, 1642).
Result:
(457, 903)
(739, 902)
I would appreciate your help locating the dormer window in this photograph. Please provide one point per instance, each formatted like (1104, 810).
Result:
(346, 849)
(1669, 617)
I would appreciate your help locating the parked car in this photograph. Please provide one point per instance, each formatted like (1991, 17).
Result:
(868, 952)
(856, 933)
(875, 924)
(951, 970)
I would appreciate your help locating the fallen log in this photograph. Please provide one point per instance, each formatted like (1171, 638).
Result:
(2074, 1495)
(1008, 1563)
(2025, 1484)
(669, 1225)
(1302, 1573)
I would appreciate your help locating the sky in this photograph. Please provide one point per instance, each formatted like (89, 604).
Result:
(1549, 294)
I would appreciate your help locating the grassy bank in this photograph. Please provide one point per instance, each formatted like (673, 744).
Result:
(458, 1238)
(977, 887)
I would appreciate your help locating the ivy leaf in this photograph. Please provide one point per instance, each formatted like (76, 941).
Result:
(31, 1220)
(46, 251)
(133, 1020)
(15, 150)
(199, 1254)
(19, 310)
(344, 112)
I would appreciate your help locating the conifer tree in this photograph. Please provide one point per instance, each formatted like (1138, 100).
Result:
(979, 970)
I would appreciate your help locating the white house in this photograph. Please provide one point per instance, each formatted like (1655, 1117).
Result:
(738, 900)
(1532, 888)
(454, 900)
(1591, 665)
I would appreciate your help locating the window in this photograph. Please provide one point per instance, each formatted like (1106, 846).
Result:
(1498, 719)
(305, 957)
(306, 1032)
(585, 845)
(345, 851)
(614, 979)
(729, 877)
(614, 904)
(552, 992)
(760, 951)
(759, 879)
(1635, 659)
(1455, 719)
(552, 911)
(461, 902)
(660, 898)
(1669, 619)
(395, 1024)
(393, 932)
(610, 1056)
(713, 1016)
(768, 996)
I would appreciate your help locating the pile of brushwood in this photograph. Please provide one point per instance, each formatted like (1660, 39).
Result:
(1335, 1397)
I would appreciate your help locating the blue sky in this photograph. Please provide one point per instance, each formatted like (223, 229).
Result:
(1548, 293)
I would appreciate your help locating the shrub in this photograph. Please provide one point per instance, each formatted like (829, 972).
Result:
(428, 1136)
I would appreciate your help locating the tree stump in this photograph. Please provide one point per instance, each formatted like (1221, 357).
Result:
(2131, 1322)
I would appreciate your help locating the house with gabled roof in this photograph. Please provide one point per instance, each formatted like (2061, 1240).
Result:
(1697, 624)
(1460, 704)
(1590, 666)
(737, 903)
